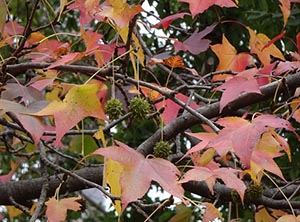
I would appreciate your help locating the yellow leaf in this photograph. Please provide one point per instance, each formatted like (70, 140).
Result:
(139, 54)
(206, 157)
(257, 44)
(113, 170)
(80, 102)
(13, 211)
(2, 15)
(99, 135)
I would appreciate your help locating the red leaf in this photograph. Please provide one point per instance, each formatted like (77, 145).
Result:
(85, 11)
(168, 20)
(140, 171)
(195, 43)
(275, 39)
(57, 209)
(234, 87)
(66, 59)
(228, 175)
(172, 108)
(285, 6)
(199, 6)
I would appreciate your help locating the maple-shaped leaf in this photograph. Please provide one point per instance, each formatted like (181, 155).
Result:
(2, 15)
(138, 172)
(195, 43)
(290, 218)
(80, 102)
(120, 12)
(285, 6)
(234, 87)
(7, 177)
(32, 124)
(48, 50)
(183, 214)
(228, 57)
(227, 175)
(172, 61)
(205, 139)
(268, 148)
(87, 9)
(102, 52)
(257, 44)
(171, 108)
(57, 209)
(168, 20)
(66, 59)
(211, 212)
(199, 6)
(241, 135)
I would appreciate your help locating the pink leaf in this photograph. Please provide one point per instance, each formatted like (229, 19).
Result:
(195, 43)
(140, 171)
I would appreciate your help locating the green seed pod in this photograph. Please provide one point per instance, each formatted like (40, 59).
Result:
(113, 108)
(254, 192)
(235, 197)
(139, 107)
(162, 149)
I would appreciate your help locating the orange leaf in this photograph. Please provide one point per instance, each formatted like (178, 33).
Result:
(174, 61)
(7, 177)
(211, 212)
(138, 172)
(228, 57)
(257, 43)
(120, 12)
(57, 209)
(285, 6)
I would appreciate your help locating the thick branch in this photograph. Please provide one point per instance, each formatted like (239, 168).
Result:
(187, 120)
(24, 190)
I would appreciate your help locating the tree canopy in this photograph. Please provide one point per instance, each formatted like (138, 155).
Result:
(174, 110)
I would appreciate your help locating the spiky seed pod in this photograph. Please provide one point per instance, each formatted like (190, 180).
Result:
(254, 192)
(235, 197)
(113, 108)
(139, 107)
(162, 149)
